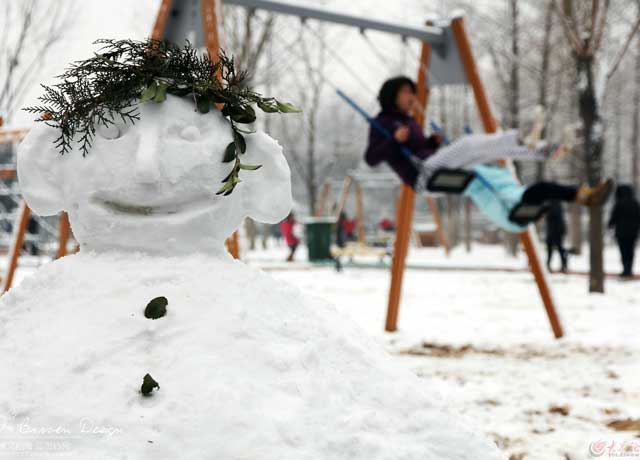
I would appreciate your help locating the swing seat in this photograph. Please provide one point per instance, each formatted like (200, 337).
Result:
(524, 214)
(446, 180)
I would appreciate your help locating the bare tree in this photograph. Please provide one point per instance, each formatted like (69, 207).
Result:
(585, 24)
(514, 78)
(635, 118)
(545, 63)
(248, 37)
(28, 30)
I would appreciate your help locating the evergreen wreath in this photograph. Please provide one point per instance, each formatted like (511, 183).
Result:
(124, 73)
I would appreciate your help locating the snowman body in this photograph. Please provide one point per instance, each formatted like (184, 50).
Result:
(247, 367)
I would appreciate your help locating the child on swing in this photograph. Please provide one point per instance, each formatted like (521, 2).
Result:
(494, 190)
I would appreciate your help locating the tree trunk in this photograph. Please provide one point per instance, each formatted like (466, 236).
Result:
(452, 221)
(576, 228)
(468, 230)
(467, 224)
(635, 122)
(311, 165)
(265, 236)
(544, 72)
(250, 228)
(512, 239)
(514, 80)
(618, 134)
(593, 148)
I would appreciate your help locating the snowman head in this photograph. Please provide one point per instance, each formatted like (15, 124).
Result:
(151, 186)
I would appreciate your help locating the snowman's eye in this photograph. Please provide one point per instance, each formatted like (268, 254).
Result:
(190, 133)
(109, 132)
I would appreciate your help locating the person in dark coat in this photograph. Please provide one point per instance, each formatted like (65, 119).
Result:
(625, 220)
(415, 158)
(341, 235)
(556, 228)
(397, 99)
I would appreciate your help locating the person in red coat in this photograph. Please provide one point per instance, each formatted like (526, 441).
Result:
(350, 229)
(287, 229)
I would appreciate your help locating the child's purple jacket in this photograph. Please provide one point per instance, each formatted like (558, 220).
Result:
(381, 149)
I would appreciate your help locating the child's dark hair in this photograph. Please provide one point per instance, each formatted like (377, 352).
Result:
(390, 89)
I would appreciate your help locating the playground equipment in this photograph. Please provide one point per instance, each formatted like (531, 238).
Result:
(355, 185)
(362, 246)
(446, 58)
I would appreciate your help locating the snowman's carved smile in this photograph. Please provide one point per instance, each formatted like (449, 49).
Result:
(191, 205)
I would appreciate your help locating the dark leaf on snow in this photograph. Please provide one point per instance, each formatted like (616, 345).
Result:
(148, 384)
(157, 308)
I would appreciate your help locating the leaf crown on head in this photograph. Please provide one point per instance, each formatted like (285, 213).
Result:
(124, 73)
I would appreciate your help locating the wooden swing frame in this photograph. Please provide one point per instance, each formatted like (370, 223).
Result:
(406, 206)
(352, 181)
(407, 197)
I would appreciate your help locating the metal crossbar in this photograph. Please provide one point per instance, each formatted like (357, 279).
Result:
(431, 35)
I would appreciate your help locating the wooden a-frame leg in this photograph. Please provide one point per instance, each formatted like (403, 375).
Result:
(233, 245)
(406, 206)
(19, 230)
(64, 231)
(530, 243)
(401, 246)
(490, 126)
(344, 195)
(435, 212)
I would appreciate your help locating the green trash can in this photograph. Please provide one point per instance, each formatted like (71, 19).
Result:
(319, 238)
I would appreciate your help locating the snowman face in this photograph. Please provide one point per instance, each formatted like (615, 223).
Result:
(151, 186)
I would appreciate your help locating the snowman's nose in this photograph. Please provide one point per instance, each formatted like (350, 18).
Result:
(147, 168)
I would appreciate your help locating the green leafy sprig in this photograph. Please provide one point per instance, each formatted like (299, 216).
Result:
(124, 73)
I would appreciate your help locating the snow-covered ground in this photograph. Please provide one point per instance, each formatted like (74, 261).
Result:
(482, 338)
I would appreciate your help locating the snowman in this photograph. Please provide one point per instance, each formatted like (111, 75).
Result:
(153, 343)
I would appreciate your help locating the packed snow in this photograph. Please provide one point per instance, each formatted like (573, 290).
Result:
(247, 367)
(472, 326)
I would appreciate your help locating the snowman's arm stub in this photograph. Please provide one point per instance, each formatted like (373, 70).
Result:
(39, 171)
(266, 192)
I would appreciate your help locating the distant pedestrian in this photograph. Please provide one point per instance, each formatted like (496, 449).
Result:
(556, 228)
(33, 230)
(341, 235)
(625, 220)
(287, 227)
(386, 224)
